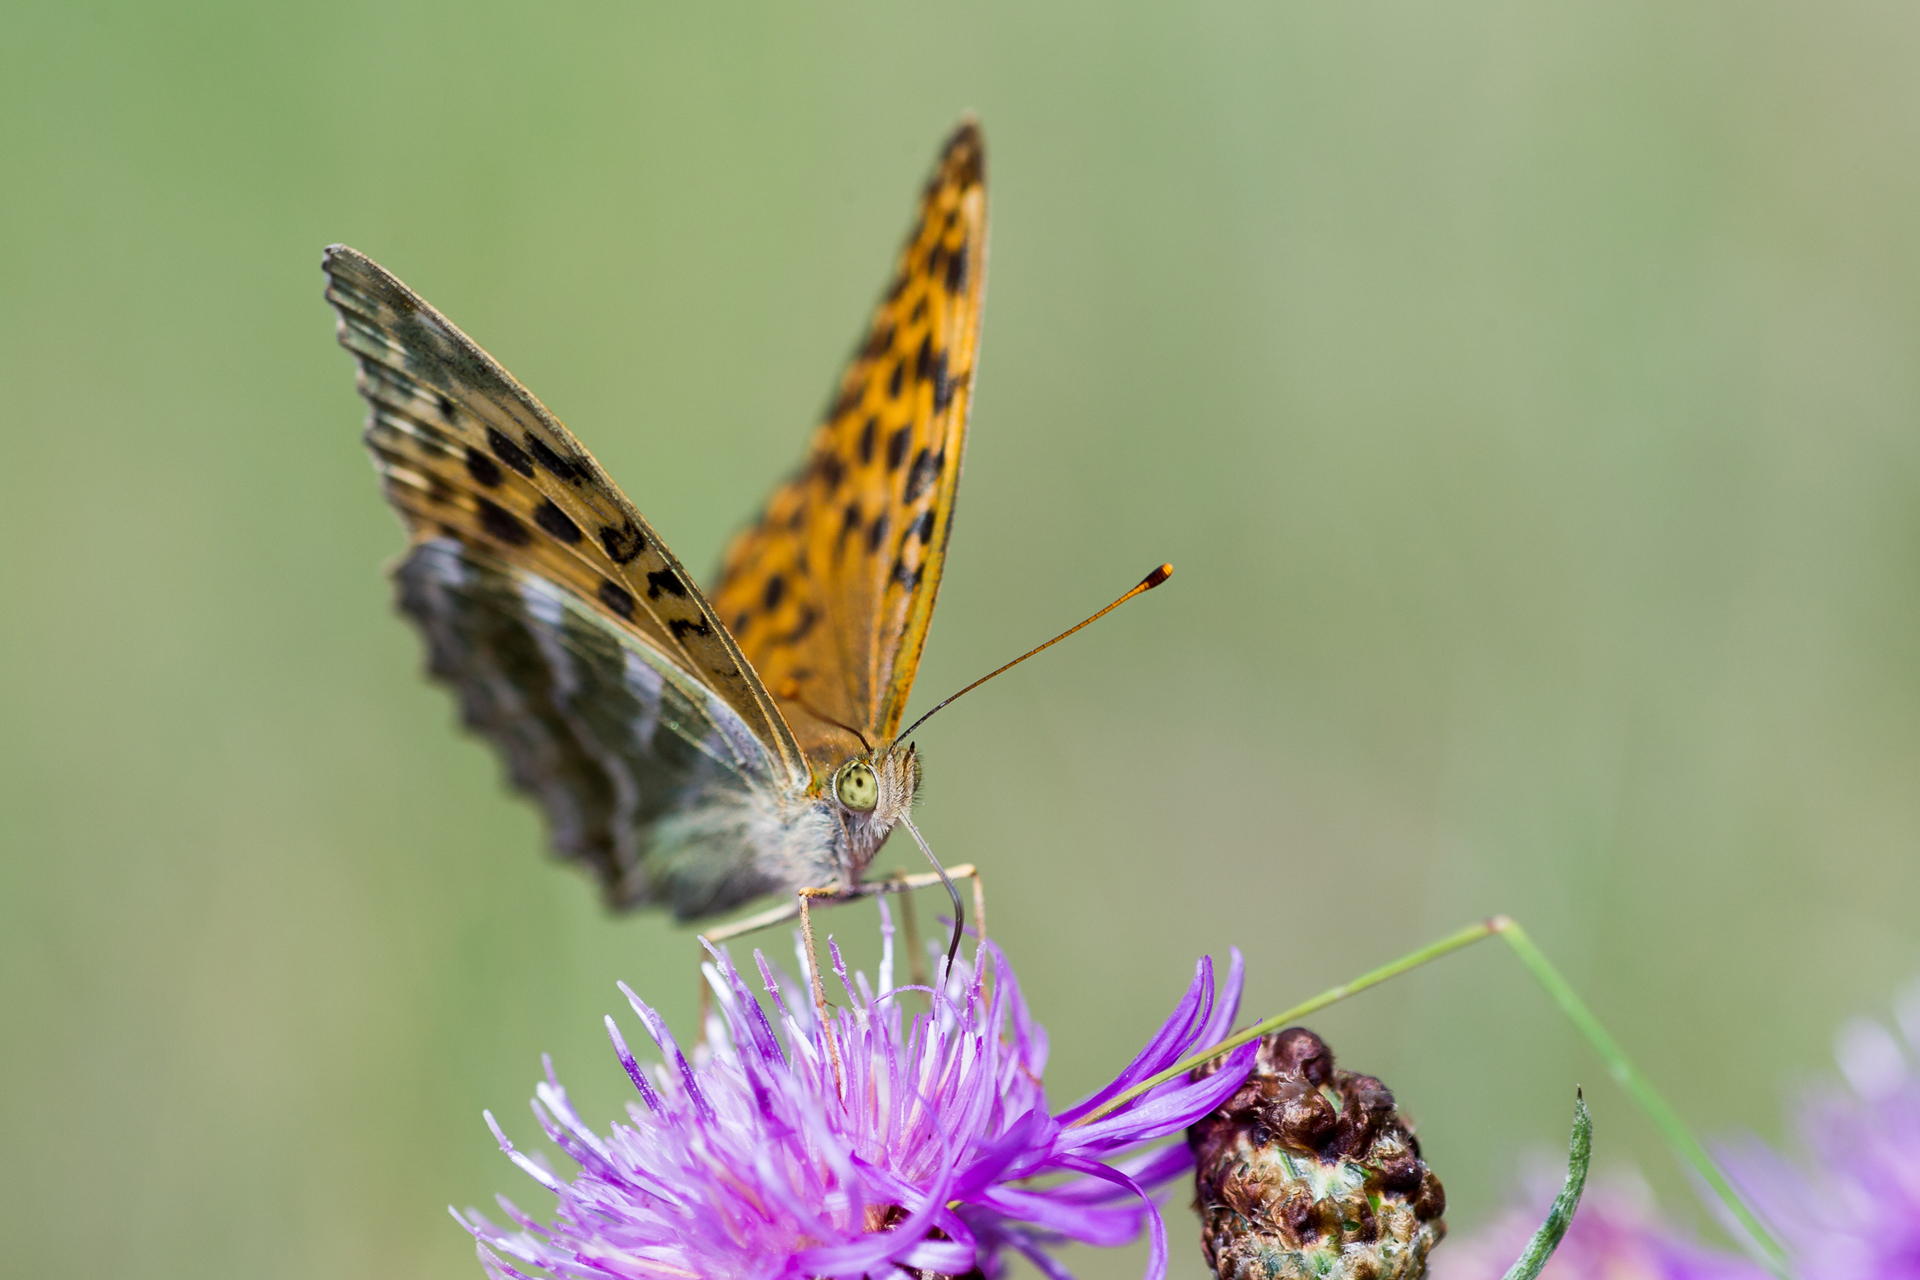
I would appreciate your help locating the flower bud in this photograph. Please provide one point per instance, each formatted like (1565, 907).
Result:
(1310, 1173)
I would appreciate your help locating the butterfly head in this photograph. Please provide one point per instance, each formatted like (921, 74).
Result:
(876, 789)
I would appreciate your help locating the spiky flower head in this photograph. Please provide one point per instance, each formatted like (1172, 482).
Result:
(1307, 1172)
(876, 1141)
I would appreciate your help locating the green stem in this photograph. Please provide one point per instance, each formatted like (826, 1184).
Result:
(1618, 1066)
(1465, 938)
(1639, 1088)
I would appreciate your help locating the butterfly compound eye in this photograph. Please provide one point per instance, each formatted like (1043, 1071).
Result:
(856, 786)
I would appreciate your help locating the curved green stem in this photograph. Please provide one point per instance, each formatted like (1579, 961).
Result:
(1619, 1067)
(1640, 1089)
(1334, 995)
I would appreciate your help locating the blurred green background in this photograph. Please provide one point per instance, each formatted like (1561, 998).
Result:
(1527, 395)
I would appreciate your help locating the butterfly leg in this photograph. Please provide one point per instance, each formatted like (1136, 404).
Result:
(910, 921)
(754, 923)
(819, 987)
(968, 871)
(897, 882)
(900, 882)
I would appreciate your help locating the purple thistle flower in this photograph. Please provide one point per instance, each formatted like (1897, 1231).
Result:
(1851, 1209)
(879, 1142)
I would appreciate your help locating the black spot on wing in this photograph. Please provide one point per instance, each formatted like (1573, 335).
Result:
(555, 522)
(807, 618)
(878, 533)
(894, 382)
(956, 265)
(831, 470)
(664, 580)
(443, 402)
(483, 469)
(942, 384)
(907, 577)
(897, 447)
(622, 544)
(922, 528)
(740, 621)
(501, 524)
(510, 453)
(867, 434)
(684, 627)
(564, 469)
(920, 474)
(617, 598)
(923, 359)
(776, 590)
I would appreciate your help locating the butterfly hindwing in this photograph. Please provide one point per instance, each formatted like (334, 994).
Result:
(830, 593)
(646, 775)
(467, 452)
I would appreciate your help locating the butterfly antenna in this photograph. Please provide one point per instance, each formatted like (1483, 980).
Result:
(1145, 584)
(959, 912)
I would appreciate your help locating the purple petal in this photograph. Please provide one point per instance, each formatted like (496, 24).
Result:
(1227, 1007)
(657, 1028)
(1161, 1051)
(1166, 1110)
(1096, 1225)
(634, 1073)
(1156, 1227)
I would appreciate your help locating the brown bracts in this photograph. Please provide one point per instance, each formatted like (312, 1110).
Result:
(1310, 1172)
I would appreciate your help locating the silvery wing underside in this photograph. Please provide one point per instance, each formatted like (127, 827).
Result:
(646, 776)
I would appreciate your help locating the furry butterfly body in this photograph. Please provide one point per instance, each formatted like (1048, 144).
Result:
(692, 751)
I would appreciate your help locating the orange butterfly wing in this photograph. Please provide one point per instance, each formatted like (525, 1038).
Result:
(830, 594)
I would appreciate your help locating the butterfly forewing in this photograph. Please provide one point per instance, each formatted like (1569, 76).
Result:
(468, 453)
(830, 593)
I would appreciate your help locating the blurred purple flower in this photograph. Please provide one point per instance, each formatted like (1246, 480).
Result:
(1616, 1235)
(879, 1142)
(1851, 1209)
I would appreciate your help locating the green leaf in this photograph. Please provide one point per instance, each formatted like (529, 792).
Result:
(1560, 1216)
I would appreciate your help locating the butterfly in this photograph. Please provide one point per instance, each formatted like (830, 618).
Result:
(694, 750)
